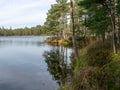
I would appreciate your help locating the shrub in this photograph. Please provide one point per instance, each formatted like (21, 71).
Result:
(107, 77)
(99, 54)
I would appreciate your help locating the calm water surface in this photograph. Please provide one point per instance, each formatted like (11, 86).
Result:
(23, 66)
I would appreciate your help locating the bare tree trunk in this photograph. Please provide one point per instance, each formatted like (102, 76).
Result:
(63, 26)
(73, 30)
(63, 31)
(112, 18)
(85, 27)
(112, 11)
(118, 31)
(66, 27)
(103, 36)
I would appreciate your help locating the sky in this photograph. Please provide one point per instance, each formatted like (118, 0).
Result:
(22, 13)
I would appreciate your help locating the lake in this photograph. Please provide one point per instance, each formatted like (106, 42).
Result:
(27, 63)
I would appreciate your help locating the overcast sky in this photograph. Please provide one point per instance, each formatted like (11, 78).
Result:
(21, 13)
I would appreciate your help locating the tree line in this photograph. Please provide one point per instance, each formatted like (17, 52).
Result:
(37, 30)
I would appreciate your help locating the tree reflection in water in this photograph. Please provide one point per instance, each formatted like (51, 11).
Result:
(58, 65)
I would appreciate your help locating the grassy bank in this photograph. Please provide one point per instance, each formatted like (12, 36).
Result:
(67, 42)
(59, 41)
(97, 69)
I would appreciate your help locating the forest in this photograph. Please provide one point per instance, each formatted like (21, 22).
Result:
(33, 31)
(92, 29)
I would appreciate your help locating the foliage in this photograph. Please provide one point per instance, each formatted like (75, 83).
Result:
(99, 54)
(56, 17)
(21, 31)
(60, 41)
(95, 73)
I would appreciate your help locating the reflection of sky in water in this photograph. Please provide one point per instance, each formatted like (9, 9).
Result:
(22, 65)
(23, 41)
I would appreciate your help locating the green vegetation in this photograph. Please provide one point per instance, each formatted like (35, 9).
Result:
(59, 41)
(22, 31)
(97, 69)
(92, 29)
(56, 22)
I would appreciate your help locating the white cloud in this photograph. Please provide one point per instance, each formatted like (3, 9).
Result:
(20, 13)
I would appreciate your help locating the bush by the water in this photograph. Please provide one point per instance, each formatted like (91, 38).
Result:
(84, 41)
(81, 42)
(99, 54)
(97, 69)
(59, 41)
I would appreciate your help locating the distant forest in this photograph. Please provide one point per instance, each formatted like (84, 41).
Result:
(37, 30)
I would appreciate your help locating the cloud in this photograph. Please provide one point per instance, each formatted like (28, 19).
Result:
(20, 13)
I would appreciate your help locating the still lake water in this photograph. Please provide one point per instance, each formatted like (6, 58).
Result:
(23, 66)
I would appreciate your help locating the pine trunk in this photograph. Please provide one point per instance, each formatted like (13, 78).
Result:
(73, 30)
(112, 14)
